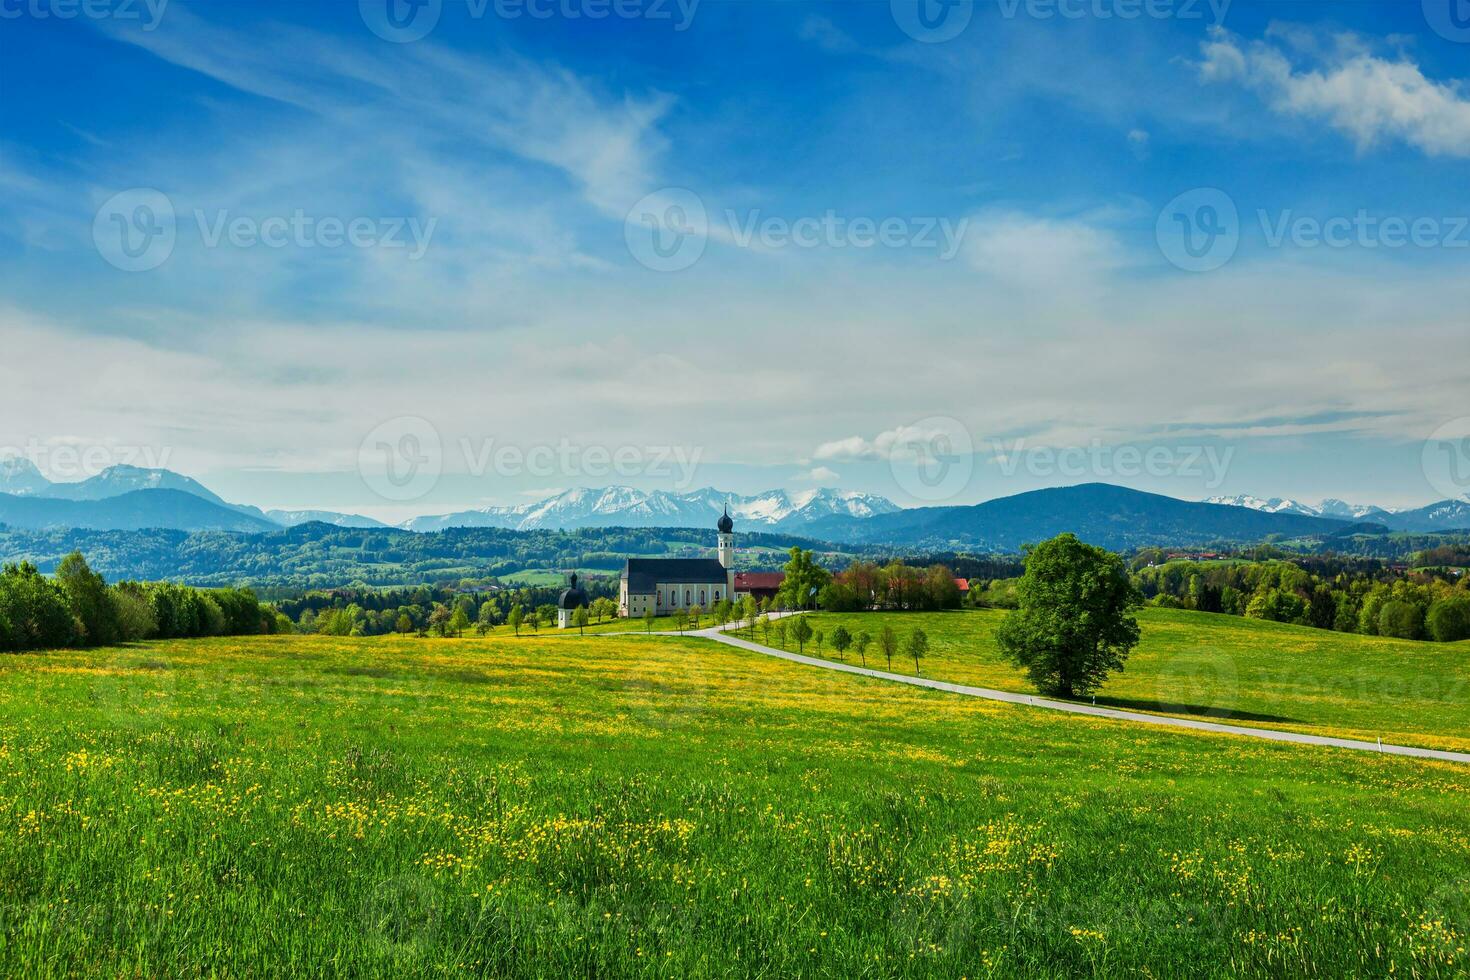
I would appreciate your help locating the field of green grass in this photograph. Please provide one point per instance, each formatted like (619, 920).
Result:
(550, 578)
(668, 807)
(1226, 668)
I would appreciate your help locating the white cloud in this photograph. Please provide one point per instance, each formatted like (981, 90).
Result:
(1032, 250)
(818, 474)
(1369, 98)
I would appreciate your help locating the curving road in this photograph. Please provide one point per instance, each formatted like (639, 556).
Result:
(1087, 709)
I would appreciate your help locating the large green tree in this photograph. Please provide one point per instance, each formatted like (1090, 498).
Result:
(804, 580)
(1073, 625)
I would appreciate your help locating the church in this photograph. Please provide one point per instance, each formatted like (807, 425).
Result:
(667, 584)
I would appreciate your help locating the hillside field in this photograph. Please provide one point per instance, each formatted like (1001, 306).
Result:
(1226, 668)
(669, 807)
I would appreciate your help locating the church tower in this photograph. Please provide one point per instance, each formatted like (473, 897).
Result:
(726, 528)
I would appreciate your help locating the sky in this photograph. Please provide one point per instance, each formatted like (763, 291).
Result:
(411, 256)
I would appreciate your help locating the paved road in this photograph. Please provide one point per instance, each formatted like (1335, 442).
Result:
(1087, 709)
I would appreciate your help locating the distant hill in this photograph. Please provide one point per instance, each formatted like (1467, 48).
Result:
(137, 509)
(1447, 515)
(118, 480)
(317, 555)
(293, 518)
(1113, 517)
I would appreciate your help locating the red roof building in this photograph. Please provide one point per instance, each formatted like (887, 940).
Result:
(963, 584)
(761, 585)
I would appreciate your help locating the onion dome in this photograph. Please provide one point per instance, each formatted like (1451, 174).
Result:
(572, 598)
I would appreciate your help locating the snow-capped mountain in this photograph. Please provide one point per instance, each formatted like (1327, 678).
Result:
(117, 480)
(627, 507)
(19, 476)
(1285, 505)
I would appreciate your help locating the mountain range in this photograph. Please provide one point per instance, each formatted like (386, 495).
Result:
(627, 507)
(1445, 515)
(1285, 505)
(129, 497)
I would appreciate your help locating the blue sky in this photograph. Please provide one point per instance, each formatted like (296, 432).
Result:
(507, 175)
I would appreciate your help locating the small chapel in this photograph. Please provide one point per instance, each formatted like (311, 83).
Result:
(666, 584)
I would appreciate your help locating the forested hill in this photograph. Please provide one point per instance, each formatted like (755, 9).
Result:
(322, 555)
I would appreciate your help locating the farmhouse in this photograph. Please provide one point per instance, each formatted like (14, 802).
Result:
(666, 584)
(760, 585)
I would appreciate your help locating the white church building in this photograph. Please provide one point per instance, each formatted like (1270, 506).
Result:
(667, 584)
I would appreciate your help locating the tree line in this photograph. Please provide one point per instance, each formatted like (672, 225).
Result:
(77, 608)
(866, 585)
(438, 610)
(1368, 598)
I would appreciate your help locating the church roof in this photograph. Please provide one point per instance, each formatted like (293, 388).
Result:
(724, 524)
(643, 575)
(572, 598)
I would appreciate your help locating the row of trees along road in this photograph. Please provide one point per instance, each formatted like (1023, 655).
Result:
(1072, 625)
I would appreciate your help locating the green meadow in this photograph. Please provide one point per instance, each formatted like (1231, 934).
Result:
(668, 807)
(1226, 668)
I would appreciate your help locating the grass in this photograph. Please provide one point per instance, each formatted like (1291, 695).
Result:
(1223, 667)
(550, 578)
(666, 807)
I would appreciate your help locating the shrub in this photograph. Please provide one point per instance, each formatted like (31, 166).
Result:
(1400, 619)
(1449, 619)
